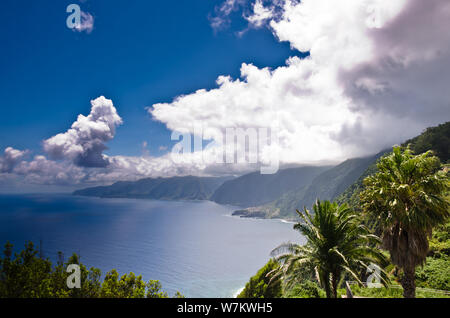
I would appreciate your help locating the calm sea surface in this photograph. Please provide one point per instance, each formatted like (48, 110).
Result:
(197, 248)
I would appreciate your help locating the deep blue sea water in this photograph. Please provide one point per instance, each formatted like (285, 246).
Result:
(196, 248)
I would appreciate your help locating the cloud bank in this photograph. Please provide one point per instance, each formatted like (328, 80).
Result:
(377, 73)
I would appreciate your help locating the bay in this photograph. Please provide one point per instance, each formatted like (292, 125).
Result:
(196, 248)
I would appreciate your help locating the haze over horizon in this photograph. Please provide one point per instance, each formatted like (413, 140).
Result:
(98, 103)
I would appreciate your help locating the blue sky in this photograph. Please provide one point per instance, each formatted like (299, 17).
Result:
(139, 53)
(334, 81)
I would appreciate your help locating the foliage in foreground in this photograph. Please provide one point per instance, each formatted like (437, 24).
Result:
(435, 270)
(434, 274)
(306, 289)
(435, 139)
(406, 200)
(392, 293)
(337, 245)
(260, 285)
(25, 275)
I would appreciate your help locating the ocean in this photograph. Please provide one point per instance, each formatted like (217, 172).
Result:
(196, 248)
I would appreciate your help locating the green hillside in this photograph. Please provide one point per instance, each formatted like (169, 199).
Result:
(343, 183)
(436, 139)
(327, 185)
(255, 188)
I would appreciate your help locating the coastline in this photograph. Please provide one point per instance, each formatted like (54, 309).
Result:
(237, 208)
(236, 294)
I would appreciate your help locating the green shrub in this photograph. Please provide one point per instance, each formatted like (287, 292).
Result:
(392, 293)
(307, 289)
(440, 242)
(26, 275)
(434, 274)
(260, 286)
(377, 292)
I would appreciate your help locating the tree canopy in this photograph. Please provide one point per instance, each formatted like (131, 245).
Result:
(26, 275)
(406, 198)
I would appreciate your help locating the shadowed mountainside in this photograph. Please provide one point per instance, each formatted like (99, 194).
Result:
(175, 188)
(277, 195)
(327, 186)
(256, 188)
(344, 182)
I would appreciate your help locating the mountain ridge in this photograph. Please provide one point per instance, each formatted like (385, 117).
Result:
(173, 188)
(255, 188)
(280, 194)
(327, 186)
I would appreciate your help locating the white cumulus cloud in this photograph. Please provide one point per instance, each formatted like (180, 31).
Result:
(10, 158)
(84, 142)
(376, 74)
(259, 15)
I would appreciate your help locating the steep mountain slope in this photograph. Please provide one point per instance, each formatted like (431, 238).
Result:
(175, 188)
(280, 194)
(256, 188)
(344, 182)
(326, 186)
(436, 139)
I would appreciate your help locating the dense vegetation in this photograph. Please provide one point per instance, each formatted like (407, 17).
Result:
(261, 286)
(436, 139)
(434, 274)
(428, 212)
(337, 245)
(26, 275)
(404, 199)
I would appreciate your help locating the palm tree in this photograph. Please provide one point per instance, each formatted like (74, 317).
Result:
(337, 244)
(405, 199)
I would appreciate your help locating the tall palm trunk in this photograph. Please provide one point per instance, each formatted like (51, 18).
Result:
(334, 282)
(408, 196)
(408, 283)
(328, 291)
(325, 279)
